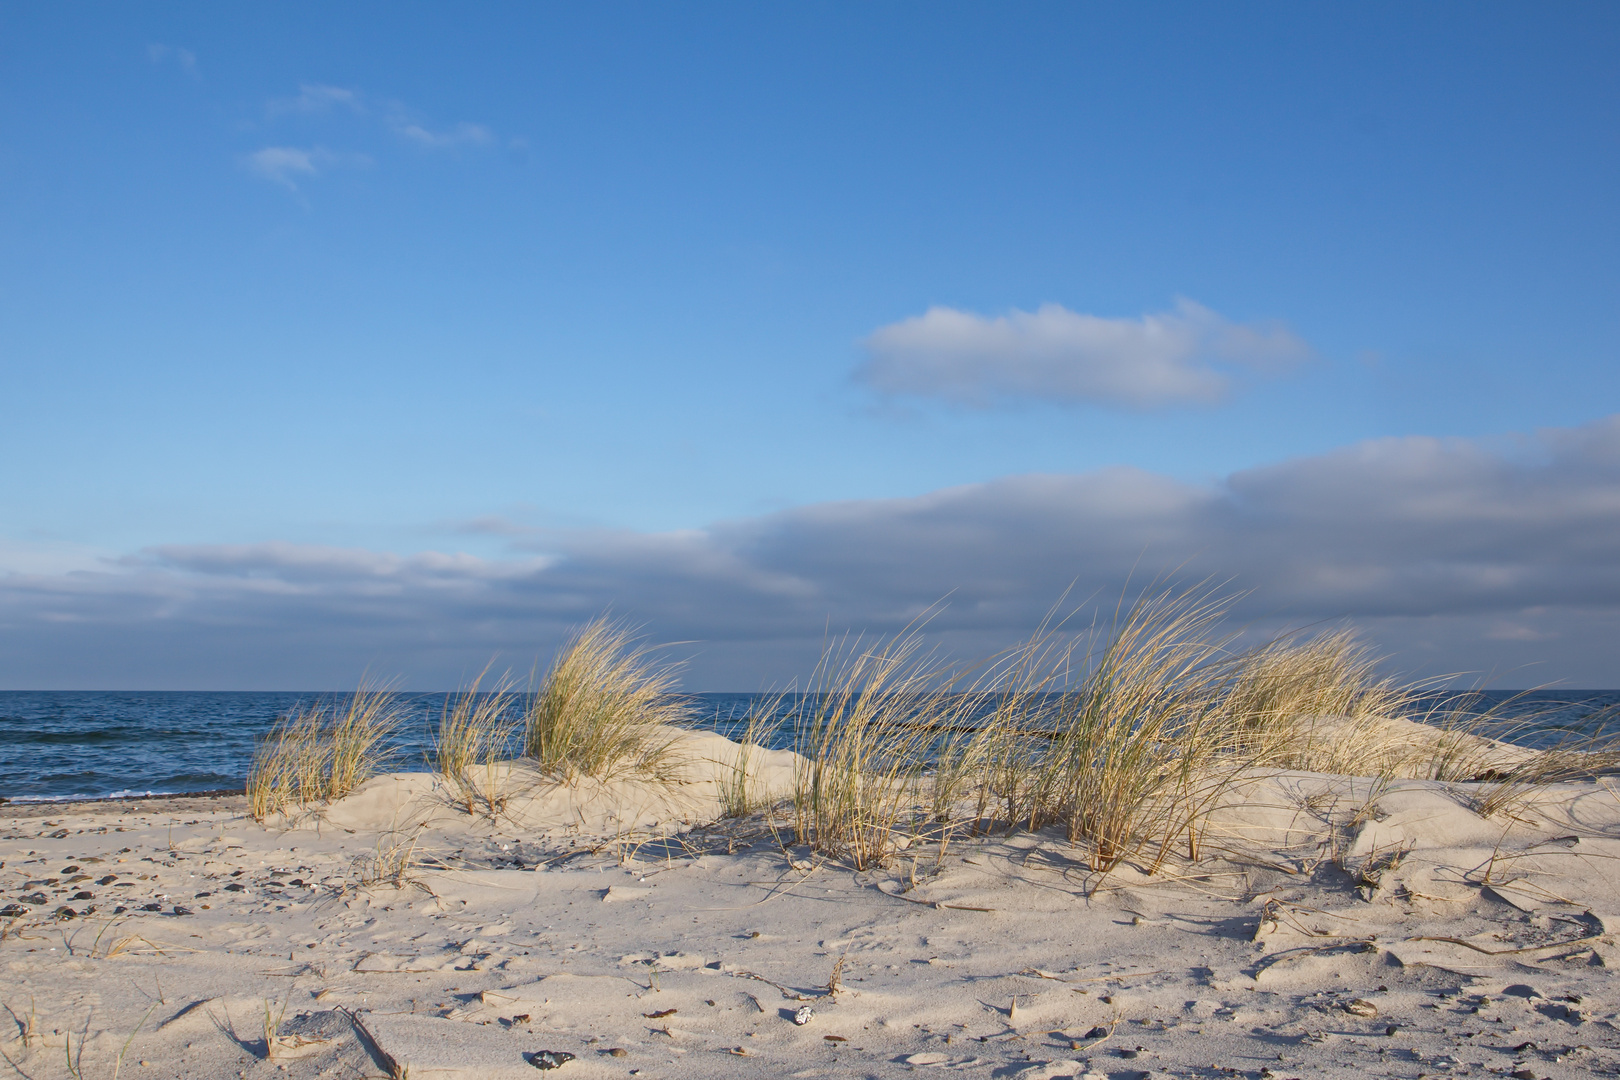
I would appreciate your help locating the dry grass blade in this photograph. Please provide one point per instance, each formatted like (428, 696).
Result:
(391, 862)
(358, 737)
(866, 734)
(605, 708)
(740, 790)
(474, 737)
(1136, 753)
(322, 752)
(287, 764)
(1317, 704)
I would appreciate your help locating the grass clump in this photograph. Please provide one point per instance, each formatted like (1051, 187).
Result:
(1313, 703)
(869, 734)
(322, 752)
(740, 789)
(604, 709)
(1136, 754)
(474, 736)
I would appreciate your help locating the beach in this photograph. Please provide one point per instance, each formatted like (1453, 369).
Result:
(1332, 926)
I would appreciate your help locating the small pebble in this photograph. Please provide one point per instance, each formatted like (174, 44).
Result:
(804, 1015)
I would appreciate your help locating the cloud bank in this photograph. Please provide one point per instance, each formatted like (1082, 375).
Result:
(1456, 554)
(1184, 356)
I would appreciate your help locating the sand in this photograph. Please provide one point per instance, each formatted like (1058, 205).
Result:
(1337, 927)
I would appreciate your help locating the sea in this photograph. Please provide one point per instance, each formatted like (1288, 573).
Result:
(62, 745)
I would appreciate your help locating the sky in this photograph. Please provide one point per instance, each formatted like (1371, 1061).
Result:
(395, 338)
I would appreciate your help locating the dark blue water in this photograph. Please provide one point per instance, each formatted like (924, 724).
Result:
(67, 744)
(64, 744)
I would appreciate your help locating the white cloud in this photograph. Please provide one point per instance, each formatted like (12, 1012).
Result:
(285, 165)
(1182, 356)
(282, 164)
(1456, 554)
(462, 134)
(318, 98)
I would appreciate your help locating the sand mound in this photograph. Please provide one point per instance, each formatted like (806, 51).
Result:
(695, 792)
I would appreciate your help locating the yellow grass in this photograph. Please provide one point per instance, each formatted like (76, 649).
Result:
(474, 736)
(604, 709)
(866, 732)
(322, 752)
(740, 790)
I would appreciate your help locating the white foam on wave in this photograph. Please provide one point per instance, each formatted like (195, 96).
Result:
(124, 794)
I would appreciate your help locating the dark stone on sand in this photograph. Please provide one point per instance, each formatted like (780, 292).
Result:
(549, 1059)
(36, 898)
(1522, 990)
(11, 911)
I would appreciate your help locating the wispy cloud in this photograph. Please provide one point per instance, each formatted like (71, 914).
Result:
(460, 135)
(184, 59)
(317, 98)
(316, 103)
(285, 165)
(1457, 554)
(1187, 355)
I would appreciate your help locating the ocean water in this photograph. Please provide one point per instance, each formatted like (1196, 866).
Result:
(69, 744)
(95, 744)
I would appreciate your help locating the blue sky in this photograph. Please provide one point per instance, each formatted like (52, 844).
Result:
(552, 309)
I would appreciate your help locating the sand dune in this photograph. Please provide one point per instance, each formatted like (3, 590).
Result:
(1336, 926)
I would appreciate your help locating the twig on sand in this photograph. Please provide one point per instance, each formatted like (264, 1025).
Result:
(1037, 973)
(936, 904)
(374, 1048)
(787, 991)
(1507, 952)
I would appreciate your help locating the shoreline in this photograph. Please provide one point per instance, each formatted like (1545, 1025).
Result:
(14, 807)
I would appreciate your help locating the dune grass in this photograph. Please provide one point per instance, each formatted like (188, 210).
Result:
(867, 734)
(1312, 703)
(1128, 737)
(474, 737)
(1125, 736)
(1135, 753)
(605, 709)
(741, 793)
(322, 752)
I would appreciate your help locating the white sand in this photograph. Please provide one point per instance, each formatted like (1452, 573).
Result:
(625, 928)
